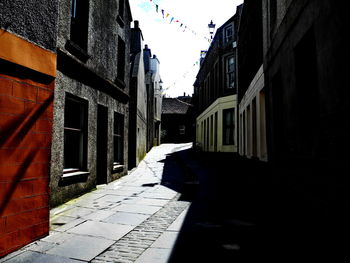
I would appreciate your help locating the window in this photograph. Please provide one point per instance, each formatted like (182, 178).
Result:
(80, 23)
(230, 72)
(118, 138)
(228, 34)
(228, 126)
(121, 60)
(75, 133)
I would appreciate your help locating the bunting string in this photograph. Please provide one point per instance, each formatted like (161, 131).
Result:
(173, 20)
(183, 76)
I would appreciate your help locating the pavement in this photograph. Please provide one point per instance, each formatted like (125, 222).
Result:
(180, 205)
(133, 219)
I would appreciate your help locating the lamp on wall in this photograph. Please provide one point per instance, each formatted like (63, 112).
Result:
(211, 28)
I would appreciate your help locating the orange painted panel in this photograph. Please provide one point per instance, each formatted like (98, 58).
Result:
(24, 53)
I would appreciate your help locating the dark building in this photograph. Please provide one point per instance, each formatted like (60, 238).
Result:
(303, 48)
(27, 83)
(177, 120)
(305, 65)
(91, 110)
(251, 84)
(215, 91)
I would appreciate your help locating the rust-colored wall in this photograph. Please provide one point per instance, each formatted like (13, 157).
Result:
(26, 112)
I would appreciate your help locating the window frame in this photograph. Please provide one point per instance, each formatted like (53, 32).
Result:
(228, 128)
(118, 139)
(230, 72)
(121, 63)
(79, 25)
(82, 132)
(228, 37)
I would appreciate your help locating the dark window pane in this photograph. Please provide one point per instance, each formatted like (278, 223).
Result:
(80, 22)
(121, 59)
(72, 142)
(118, 138)
(75, 132)
(228, 127)
(72, 114)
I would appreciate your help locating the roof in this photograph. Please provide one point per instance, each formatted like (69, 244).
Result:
(174, 106)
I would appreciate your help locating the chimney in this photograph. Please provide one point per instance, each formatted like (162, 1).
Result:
(136, 24)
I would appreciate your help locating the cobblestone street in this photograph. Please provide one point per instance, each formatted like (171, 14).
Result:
(133, 219)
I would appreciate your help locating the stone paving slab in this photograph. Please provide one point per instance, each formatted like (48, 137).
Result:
(81, 247)
(177, 224)
(154, 255)
(40, 246)
(101, 229)
(111, 198)
(137, 209)
(99, 215)
(35, 257)
(126, 218)
(151, 202)
(155, 195)
(57, 237)
(94, 204)
(166, 240)
(69, 225)
(77, 212)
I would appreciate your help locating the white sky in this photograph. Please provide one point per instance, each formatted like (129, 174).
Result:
(176, 50)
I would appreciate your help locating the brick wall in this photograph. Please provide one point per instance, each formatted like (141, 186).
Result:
(26, 113)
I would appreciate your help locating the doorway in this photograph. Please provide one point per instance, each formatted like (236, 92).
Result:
(102, 141)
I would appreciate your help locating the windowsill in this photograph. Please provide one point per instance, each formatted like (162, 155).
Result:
(117, 168)
(77, 51)
(73, 174)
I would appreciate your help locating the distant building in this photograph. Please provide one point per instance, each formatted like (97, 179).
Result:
(154, 97)
(27, 84)
(215, 92)
(138, 119)
(90, 142)
(145, 99)
(177, 120)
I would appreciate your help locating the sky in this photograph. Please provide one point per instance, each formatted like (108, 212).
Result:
(178, 47)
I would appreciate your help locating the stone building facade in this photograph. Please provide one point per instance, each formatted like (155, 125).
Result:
(27, 82)
(251, 84)
(145, 99)
(154, 97)
(294, 54)
(215, 93)
(138, 121)
(177, 120)
(91, 110)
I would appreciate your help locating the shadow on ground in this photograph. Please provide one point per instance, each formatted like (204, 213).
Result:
(240, 213)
